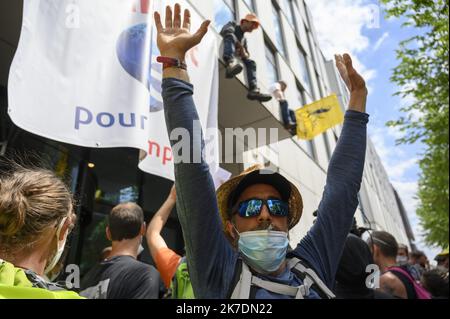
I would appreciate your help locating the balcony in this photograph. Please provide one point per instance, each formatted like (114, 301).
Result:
(236, 111)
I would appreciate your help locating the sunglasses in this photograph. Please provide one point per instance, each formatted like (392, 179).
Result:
(253, 207)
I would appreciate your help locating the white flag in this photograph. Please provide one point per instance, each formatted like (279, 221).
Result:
(85, 73)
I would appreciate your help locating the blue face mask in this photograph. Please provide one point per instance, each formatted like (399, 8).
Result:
(264, 250)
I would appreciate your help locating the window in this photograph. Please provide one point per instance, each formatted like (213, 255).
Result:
(111, 182)
(322, 91)
(327, 145)
(303, 72)
(272, 69)
(224, 12)
(312, 149)
(309, 147)
(296, 14)
(251, 5)
(288, 10)
(300, 96)
(307, 14)
(279, 39)
(335, 137)
(115, 186)
(312, 47)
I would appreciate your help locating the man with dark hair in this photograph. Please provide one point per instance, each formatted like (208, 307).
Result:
(121, 276)
(384, 248)
(395, 279)
(125, 221)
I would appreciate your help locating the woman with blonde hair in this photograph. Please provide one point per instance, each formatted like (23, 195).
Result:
(36, 216)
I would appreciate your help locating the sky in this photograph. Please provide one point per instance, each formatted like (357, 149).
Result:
(360, 28)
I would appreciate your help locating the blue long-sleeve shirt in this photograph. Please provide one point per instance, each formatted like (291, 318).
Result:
(211, 258)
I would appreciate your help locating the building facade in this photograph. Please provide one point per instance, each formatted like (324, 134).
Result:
(285, 48)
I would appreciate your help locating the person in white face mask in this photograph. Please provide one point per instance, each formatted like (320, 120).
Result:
(36, 216)
(402, 255)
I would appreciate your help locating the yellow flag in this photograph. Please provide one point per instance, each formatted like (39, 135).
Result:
(315, 118)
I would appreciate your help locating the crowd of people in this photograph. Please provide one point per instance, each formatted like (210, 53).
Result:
(237, 241)
(37, 215)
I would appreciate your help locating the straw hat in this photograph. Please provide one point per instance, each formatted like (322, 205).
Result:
(251, 17)
(442, 256)
(444, 252)
(230, 191)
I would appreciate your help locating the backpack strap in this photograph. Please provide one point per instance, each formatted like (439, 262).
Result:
(174, 285)
(244, 281)
(243, 286)
(39, 282)
(406, 279)
(280, 288)
(311, 278)
(235, 279)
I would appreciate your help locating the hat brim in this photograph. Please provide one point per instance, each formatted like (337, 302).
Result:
(256, 23)
(252, 177)
(273, 179)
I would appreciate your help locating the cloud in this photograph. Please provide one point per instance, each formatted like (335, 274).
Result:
(380, 41)
(398, 170)
(339, 25)
(409, 100)
(394, 158)
(386, 149)
(399, 166)
(395, 132)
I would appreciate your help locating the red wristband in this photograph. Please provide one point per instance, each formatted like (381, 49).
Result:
(171, 63)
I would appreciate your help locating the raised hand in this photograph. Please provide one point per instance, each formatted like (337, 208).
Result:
(352, 79)
(175, 39)
(354, 82)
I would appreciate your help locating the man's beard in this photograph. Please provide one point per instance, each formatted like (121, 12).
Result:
(263, 226)
(266, 226)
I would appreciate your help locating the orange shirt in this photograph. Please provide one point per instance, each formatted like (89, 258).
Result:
(167, 261)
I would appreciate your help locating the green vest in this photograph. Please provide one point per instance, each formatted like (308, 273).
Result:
(181, 284)
(14, 284)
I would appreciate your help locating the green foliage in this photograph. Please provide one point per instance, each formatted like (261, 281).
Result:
(423, 75)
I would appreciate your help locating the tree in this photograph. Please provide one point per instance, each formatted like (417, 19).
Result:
(423, 75)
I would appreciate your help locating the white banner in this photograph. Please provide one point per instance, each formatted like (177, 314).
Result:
(85, 73)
